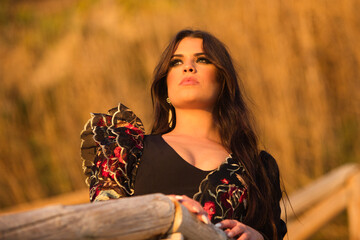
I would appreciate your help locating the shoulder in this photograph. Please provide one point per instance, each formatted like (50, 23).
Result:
(270, 164)
(153, 138)
(111, 147)
(272, 171)
(119, 126)
(266, 157)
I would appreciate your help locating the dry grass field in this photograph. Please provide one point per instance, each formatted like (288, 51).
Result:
(60, 60)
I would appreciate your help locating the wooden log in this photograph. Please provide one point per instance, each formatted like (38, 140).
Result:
(316, 217)
(319, 190)
(192, 228)
(354, 208)
(174, 236)
(142, 217)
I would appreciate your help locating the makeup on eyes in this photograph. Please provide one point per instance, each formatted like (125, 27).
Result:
(177, 59)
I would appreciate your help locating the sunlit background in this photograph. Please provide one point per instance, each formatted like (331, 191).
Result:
(60, 60)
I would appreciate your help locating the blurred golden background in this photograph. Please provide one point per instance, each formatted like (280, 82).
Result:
(61, 60)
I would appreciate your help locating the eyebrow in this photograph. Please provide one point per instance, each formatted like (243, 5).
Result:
(181, 55)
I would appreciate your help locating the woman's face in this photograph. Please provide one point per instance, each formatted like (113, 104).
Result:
(191, 80)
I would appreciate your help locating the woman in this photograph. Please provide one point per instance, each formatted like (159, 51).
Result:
(202, 145)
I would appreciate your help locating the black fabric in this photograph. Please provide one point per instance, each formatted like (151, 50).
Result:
(121, 161)
(162, 170)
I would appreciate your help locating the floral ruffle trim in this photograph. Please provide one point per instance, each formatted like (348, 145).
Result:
(223, 193)
(111, 148)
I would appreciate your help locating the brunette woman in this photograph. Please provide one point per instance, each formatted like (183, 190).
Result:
(202, 148)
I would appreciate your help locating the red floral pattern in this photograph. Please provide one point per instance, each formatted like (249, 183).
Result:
(225, 181)
(209, 207)
(111, 150)
(224, 187)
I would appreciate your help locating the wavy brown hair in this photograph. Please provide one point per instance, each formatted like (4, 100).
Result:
(233, 121)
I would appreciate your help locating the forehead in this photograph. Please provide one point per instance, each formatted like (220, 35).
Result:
(189, 45)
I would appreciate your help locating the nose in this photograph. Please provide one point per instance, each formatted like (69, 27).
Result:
(189, 68)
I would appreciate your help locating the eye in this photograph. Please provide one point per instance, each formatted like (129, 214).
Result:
(203, 60)
(175, 62)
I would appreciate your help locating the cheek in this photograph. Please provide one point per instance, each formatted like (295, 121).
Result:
(216, 90)
(211, 74)
(216, 83)
(213, 79)
(171, 76)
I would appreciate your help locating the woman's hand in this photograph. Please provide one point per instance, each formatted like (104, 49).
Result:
(238, 230)
(193, 206)
(233, 228)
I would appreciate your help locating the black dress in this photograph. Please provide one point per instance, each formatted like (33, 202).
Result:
(120, 161)
(162, 170)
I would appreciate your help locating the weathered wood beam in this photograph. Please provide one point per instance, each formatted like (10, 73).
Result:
(145, 217)
(308, 223)
(319, 190)
(128, 218)
(354, 207)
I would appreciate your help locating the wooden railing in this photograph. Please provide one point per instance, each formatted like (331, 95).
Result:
(317, 204)
(152, 216)
(157, 217)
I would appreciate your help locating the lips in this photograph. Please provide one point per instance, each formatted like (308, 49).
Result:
(188, 81)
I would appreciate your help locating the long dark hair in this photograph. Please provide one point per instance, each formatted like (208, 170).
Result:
(232, 119)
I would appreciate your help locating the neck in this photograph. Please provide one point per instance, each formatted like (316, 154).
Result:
(196, 123)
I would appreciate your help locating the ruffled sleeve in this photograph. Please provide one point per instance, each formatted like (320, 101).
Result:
(111, 148)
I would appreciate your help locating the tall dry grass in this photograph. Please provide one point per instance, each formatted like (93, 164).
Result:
(61, 60)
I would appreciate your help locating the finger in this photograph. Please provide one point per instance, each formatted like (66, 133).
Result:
(203, 218)
(188, 200)
(227, 223)
(171, 196)
(192, 205)
(238, 230)
(244, 237)
(226, 231)
(174, 198)
(179, 198)
(202, 215)
(195, 207)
